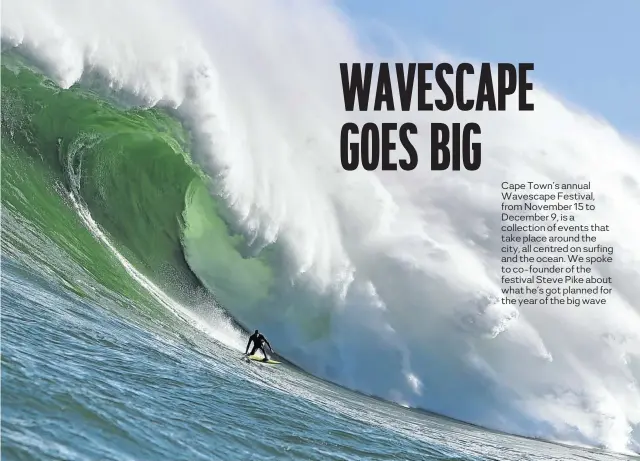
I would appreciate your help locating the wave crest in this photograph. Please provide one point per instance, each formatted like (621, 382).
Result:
(385, 282)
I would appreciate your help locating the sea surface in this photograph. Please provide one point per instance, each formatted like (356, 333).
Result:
(82, 380)
(112, 347)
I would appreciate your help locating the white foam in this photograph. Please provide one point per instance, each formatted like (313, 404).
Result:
(259, 82)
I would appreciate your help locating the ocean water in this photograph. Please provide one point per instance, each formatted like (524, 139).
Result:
(83, 377)
(169, 183)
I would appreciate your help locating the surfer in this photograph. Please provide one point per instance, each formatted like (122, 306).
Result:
(258, 343)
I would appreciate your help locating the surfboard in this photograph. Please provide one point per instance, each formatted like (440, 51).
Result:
(259, 358)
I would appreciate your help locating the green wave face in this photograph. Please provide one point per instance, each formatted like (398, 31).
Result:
(132, 170)
(213, 253)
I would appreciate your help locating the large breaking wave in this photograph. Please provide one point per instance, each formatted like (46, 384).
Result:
(387, 283)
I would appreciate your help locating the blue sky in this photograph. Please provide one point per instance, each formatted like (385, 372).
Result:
(586, 51)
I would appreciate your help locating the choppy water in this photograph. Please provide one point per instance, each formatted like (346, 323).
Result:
(81, 382)
(162, 189)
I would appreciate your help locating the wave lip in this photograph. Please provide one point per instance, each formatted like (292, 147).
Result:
(400, 268)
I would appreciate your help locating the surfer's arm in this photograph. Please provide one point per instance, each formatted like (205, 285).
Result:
(248, 344)
(265, 340)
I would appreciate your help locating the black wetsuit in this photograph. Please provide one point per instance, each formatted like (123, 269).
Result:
(258, 343)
